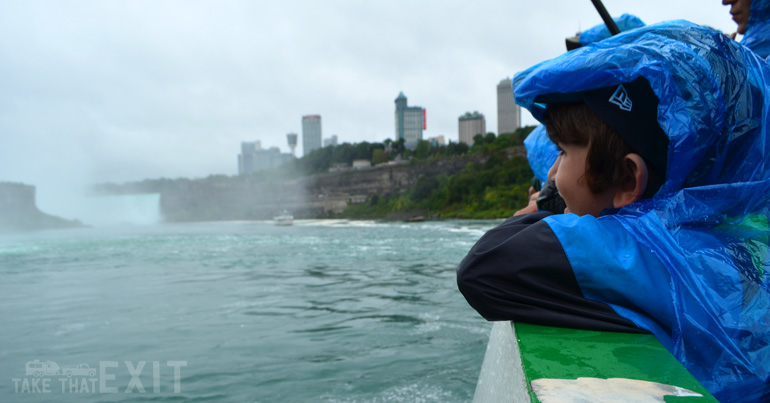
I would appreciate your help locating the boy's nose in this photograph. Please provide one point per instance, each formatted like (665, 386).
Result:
(554, 169)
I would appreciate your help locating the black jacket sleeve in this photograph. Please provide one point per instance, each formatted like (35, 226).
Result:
(519, 271)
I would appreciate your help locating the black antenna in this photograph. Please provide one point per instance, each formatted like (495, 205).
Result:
(608, 21)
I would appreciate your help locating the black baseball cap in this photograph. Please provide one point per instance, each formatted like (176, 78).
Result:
(631, 110)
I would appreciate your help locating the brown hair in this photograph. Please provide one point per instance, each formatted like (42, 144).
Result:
(576, 124)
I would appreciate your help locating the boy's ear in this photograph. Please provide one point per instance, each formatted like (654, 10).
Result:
(634, 184)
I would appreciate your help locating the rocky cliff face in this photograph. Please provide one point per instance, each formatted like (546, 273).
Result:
(226, 199)
(332, 192)
(18, 211)
(314, 196)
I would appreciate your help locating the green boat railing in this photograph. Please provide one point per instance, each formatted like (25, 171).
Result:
(528, 363)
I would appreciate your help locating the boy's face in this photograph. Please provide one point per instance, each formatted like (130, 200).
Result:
(568, 173)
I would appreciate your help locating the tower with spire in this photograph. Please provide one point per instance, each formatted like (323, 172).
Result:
(410, 121)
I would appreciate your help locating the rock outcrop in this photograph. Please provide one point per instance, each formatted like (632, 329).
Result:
(18, 211)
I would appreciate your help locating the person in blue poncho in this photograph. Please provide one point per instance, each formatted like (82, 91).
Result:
(664, 143)
(753, 19)
(541, 152)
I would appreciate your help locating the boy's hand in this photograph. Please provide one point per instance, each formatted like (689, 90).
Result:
(531, 207)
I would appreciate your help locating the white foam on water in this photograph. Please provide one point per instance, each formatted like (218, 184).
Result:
(335, 223)
(19, 249)
(413, 393)
(476, 232)
(69, 328)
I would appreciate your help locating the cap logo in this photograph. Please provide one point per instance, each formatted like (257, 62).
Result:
(621, 99)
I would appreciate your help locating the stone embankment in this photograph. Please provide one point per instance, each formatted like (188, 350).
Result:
(305, 197)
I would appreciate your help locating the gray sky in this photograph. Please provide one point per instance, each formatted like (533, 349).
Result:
(95, 91)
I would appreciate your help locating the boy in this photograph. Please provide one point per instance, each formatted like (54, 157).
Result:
(663, 169)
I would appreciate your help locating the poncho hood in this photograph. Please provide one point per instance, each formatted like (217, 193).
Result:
(541, 152)
(757, 36)
(715, 128)
(596, 33)
(690, 264)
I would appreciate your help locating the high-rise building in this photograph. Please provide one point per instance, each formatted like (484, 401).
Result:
(253, 158)
(410, 122)
(311, 133)
(291, 138)
(331, 141)
(508, 113)
(247, 156)
(470, 125)
(437, 141)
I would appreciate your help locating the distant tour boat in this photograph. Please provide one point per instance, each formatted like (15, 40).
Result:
(284, 219)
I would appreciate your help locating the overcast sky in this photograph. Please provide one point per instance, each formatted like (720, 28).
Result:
(96, 91)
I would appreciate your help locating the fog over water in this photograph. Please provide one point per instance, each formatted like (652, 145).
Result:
(141, 209)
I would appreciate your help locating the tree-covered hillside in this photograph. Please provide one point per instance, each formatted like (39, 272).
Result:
(493, 189)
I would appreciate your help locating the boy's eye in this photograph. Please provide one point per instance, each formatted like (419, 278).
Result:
(561, 150)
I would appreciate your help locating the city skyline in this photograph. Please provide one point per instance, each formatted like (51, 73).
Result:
(98, 91)
(506, 108)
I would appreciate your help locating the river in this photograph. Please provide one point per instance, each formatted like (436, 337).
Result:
(322, 311)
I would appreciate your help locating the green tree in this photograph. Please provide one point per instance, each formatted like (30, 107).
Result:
(379, 156)
(478, 139)
(422, 151)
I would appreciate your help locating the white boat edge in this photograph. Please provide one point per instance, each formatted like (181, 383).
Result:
(502, 375)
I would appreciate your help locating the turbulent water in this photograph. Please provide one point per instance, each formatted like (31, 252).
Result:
(323, 311)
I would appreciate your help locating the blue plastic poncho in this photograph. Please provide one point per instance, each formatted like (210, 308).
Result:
(757, 36)
(541, 151)
(625, 22)
(690, 264)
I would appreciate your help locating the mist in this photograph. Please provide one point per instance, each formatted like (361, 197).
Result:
(113, 210)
